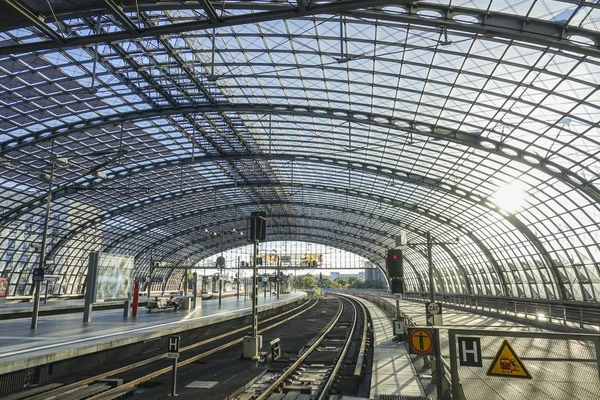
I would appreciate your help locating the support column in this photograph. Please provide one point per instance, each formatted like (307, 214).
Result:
(430, 264)
(277, 283)
(195, 289)
(42, 264)
(255, 292)
(90, 287)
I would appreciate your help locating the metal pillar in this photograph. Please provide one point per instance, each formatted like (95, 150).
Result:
(238, 279)
(220, 289)
(46, 293)
(195, 289)
(277, 283)
(255, 292)
(149, 288)
(90, 286)
(42, 264)
(439, 364)
(430, 264)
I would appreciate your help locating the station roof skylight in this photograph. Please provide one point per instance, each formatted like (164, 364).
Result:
(347, 121)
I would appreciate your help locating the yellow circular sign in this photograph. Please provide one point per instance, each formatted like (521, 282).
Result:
(421, 341)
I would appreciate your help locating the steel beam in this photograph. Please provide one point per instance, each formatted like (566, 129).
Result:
(356, 226)
(71, 188)
(36, 20)
(535, 241)
(555, 170)
(273, 236)
(123, 20)
(211, 12)
(490, 23)
(301, 6)
(190, 191)
(282, 12)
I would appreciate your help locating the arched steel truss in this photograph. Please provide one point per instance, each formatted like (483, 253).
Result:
(115, 25)
(554, 35)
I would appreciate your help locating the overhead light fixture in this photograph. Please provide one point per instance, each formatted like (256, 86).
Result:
(4, 162)
(47, 177)
(100, 174)
(206, 230)
(233, 230)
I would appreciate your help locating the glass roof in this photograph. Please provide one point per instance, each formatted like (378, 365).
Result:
(347, 121)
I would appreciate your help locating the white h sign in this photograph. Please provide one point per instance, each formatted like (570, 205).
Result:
(173, 344)
(469, 350)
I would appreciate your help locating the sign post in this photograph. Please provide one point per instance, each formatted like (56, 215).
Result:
(173, 352)
(439, 364)
(433, 314)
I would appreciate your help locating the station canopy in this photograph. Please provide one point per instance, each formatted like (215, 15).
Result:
(156, 124)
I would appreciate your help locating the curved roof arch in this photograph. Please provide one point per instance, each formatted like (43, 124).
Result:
(418, 114)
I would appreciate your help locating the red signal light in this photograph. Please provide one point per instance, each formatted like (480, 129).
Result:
(395, 257)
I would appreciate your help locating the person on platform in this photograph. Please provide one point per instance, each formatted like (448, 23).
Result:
(173, 302)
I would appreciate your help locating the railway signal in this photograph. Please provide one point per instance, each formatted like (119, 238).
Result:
(396, 270)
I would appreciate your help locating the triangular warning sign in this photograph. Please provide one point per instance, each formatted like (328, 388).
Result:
(507, 364)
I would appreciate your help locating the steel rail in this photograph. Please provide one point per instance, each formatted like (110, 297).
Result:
(303, 357)
(190, 360)
(138, 364)
(363, 344)
(325, 391)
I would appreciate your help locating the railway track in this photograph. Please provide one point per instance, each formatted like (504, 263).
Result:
(109, 385)
(334, 355)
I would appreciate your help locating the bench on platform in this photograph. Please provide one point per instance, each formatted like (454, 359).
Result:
(162, 305)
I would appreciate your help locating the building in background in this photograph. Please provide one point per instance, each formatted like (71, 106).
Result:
(373, 274)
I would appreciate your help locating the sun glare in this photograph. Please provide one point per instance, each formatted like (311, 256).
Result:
(511, 197)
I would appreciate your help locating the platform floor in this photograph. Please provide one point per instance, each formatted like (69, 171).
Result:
(77, 304)
(393, 373)
(556, 380)
(64, 336)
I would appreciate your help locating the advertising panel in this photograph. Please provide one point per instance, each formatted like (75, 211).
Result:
(290, 259)
(115, 277)
(3, 291)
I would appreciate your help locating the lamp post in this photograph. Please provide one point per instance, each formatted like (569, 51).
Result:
(238, 278)
(429, 244)
(42, 259)
(42, 264)
(278, 264)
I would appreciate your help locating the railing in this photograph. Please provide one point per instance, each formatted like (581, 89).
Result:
(583, 316)
(577, 315)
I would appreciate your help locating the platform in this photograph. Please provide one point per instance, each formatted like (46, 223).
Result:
(64, 336)
(566, 379)
(393, 373)
(55, 307)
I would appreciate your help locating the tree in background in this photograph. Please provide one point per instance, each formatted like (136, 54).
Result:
(324, 283)
(307, 281)
(353, 280)
(342, 282)
(368, 285)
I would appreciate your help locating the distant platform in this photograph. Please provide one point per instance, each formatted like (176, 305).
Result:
(60, 337)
